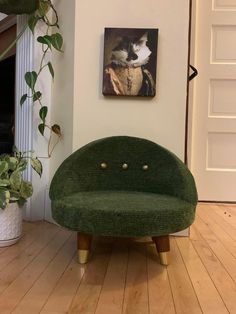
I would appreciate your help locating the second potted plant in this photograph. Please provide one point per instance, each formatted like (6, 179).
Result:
(14, 192)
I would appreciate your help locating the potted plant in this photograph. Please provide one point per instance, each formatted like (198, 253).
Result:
(44, 13)
(14, 192)
(18, 6)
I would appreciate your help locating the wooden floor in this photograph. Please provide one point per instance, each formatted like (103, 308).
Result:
(40, 274)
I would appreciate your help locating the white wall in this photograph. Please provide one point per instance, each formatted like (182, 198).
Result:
(63, 85)
(77, 101)
(161, 119)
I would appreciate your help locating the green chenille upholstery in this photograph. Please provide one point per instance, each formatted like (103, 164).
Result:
(123, 202)
(18, 6)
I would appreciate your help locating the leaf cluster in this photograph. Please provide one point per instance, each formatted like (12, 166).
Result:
(49, 42)
(13, 188)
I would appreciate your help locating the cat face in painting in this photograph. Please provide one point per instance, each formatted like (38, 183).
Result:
(131, 52)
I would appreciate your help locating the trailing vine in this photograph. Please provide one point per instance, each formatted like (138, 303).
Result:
(52, 40)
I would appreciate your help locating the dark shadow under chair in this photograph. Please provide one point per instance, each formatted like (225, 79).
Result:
(126, 187)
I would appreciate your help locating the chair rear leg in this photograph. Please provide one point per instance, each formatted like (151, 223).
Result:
(83, 245)
(163, 248)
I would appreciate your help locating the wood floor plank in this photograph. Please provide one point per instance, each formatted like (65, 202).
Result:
(218, 248)
(27, 238)
(183, 292)
(60, 299)
(10, 272)
(231, 231)
(229, 213)
(87, 295)
(136, 290)
(26, 227)
(10, 298)
(218, 230)
(231, 220)
(208, 296)
(222, 281)
(159, 290)
(38, 294)
(40, 274)
(112, 294)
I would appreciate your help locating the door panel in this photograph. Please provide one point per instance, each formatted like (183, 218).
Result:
(214, 109)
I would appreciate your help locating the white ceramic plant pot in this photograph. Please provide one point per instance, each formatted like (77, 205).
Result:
(10, 224)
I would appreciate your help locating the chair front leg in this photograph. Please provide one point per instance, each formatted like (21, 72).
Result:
(163, 248)
(83, 245)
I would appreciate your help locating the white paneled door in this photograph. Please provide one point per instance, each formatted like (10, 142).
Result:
(214, 110)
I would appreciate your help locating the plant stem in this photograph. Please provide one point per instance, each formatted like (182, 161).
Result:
(13, 43)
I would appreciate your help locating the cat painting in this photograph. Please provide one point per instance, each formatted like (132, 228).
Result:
(130, 62)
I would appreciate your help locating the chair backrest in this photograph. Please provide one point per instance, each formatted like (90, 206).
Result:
(82, 171)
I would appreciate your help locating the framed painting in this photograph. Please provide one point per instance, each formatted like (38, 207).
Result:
(130, 62)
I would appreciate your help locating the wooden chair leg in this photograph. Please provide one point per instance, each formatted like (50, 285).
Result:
(163, 248)
(83, 245)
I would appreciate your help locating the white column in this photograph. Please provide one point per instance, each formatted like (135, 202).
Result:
(24, 114)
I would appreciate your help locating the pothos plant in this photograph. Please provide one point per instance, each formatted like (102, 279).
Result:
(13, 188)
(45, 14)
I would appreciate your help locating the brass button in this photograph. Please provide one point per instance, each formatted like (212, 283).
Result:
(103, 165)
(125, 166)
(145, 167)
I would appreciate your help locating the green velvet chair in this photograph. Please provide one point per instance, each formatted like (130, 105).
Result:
(126, 187)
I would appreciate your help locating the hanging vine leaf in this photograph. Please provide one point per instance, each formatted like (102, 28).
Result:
(37, 96)
(23, 99)
(56, 129)
(37, 165)
(43, 8)
(31, 78)
(57, 41)
(41, 128)
(32, 22)
(45, 40)
(43, 113)
(51, 69)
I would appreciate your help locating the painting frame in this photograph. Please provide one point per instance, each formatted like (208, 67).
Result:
(130, 62)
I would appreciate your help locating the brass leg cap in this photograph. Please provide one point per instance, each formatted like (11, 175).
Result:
(83, 256)
(164, 258)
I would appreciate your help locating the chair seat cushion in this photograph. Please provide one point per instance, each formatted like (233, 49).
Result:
(123, 213)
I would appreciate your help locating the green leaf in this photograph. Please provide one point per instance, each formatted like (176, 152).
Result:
(15, 180)
(32, 22)
(26, 189)
(43, 8)
(4, 198)
(14, 196)
(16, 152)
(37, 165)
(45, 40)
(31, 78)
(12, 163)
(3, 167)
(57, 41)
(56, 129)
(23, 99)
(37, 96)
(51, 69)
(22, 165)
(4, 183)
(41, 128)
(43, 113)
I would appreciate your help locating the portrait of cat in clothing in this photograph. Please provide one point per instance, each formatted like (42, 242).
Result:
(130, 62)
